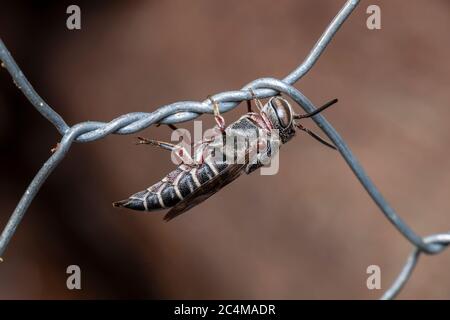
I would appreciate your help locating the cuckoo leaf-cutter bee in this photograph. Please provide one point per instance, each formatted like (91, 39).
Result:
(199, 177)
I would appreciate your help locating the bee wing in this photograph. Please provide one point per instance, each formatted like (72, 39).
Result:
(206, 190)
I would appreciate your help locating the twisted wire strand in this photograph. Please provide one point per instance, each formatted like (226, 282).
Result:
(188, 110)
(175, 112)
(134, 122)
(442, 239)
(27, 89)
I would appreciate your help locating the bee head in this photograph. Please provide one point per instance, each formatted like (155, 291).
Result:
(281, 115)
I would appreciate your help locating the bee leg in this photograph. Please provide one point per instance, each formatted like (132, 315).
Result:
(161, 144)
(171, 126)
(184, 157)
(258, 102)
(220, 121)
(249, 106)
(180, 153)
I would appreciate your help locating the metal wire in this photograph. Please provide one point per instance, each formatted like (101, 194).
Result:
(188, 110)
(440, 239)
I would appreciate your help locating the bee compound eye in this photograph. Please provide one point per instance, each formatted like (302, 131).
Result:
(282, 110)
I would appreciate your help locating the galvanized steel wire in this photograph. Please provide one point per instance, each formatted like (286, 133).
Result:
(188, 110)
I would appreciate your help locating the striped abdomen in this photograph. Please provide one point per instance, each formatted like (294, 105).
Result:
(173, 188)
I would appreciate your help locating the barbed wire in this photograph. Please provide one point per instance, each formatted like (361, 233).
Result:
(188, 110)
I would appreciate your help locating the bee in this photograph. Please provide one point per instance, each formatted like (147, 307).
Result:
(209, 169)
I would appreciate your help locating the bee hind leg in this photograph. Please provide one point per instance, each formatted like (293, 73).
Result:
(180, 153)
(161, 144)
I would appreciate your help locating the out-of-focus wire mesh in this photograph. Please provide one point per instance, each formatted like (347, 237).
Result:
(188, 110)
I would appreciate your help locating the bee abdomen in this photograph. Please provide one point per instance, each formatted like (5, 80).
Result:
(176, 186)
(138, 201)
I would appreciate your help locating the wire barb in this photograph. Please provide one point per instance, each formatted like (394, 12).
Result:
(188, 110)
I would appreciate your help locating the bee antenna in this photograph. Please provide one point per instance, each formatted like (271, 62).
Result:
(325, 106)
(315, 136)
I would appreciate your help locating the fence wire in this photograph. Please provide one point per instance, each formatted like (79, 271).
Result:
(188, 110)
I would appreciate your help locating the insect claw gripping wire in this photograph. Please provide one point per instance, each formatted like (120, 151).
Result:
(188, 110)
(257, 101)
(52, 150)
(220, 121)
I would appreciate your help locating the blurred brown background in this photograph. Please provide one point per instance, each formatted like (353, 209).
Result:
(308, 232)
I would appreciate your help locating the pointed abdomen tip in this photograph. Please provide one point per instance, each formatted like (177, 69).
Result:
(121, 203)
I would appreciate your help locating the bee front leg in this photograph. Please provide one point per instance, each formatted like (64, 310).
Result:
(220, 121)
(258, 102)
